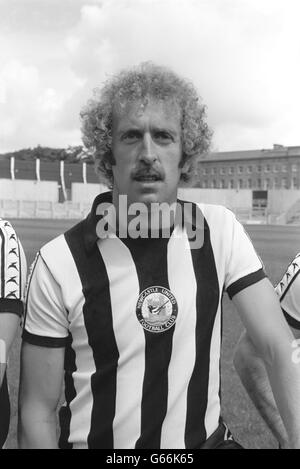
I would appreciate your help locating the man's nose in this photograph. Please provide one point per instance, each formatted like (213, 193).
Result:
(148, 150)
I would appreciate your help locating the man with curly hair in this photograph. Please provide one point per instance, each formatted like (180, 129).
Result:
(12, 284)
(127, 305)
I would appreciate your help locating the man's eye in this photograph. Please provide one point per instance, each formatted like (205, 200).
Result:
(131, 135)
(163, 137)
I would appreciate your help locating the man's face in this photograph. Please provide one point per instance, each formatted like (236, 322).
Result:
(147, 151)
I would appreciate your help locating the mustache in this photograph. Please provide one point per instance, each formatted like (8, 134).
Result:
(147, 172)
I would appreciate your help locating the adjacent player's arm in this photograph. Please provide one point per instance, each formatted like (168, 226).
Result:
(12, 285)
(8, 327)
(273, 341)
(40, 392)
(252, 372)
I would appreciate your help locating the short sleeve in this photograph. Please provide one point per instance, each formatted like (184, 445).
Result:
(46, 319)
(13, 270)
(244, 266)
(288, 290)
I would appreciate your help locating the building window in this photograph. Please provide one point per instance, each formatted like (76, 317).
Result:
(231, 170)
(249, 169)
(241, 185)
(258, 183)
(284, 183)
(214, 184)
(213, 171)
(240, 169)
(268, 184)
(258, 168)
(295, 183)
(267, 168)
(276, 183)
(249, 183)
(276, 168)
(294, 167)
(223, 184)
(231, 184)
(222, 171)
(284, 168)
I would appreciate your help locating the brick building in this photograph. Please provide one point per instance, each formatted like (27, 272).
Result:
(276, 168)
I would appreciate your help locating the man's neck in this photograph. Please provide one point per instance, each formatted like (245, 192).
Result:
(146, 219)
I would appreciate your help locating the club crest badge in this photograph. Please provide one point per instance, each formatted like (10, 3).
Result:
(157, 309)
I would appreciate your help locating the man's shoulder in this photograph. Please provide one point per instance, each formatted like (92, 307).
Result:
(288, 290)
(209, 209)
(6, 229)
(57, 248)
(10, 243)
(215, 213)
(291, 278)
(213, 208)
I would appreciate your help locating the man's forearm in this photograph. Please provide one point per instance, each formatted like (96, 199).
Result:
(254, 377)
(37, 431)
(284, 376)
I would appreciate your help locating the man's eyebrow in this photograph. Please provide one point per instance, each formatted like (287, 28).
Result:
(163, 129)
(168, 130)
(128, 128)
(156, 128)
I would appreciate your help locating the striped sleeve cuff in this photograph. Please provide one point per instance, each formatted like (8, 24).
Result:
(292, 322)
(245, 282)
(42, 341)
(8, 305)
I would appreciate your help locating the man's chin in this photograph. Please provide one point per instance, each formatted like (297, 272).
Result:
(148, 199)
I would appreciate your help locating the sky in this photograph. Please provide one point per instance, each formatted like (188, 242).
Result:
(242, 55)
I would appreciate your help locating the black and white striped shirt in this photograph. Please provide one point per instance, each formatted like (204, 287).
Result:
(141, 322)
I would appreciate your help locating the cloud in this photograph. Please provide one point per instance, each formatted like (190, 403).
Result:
(235, 52)
(243, 56)
(28, 110)
(18, 86)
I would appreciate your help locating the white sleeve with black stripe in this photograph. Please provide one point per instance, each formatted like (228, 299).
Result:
(244, 266)
(13, 270)
(46, 321)
(238, 264)
(288, 290)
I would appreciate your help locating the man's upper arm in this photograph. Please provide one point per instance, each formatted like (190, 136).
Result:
(288, 291)
(261, 314)
(41, 377)
(45, 335)
(46, 318)
(243, 265)
(13, 270)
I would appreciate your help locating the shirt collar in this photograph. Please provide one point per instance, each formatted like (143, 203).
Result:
(90, 223)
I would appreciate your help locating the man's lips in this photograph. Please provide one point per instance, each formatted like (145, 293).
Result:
(147, 177)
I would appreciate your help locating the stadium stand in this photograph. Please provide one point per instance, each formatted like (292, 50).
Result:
(42, 189)
(58, 189)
